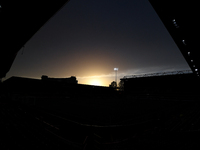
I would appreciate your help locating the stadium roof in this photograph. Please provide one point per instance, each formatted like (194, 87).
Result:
(20, 20)
(158, 74)
(181, 20)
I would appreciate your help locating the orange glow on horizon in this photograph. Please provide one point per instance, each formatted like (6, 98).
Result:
(95, 82)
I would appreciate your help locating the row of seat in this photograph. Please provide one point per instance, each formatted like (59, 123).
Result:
(21, 130)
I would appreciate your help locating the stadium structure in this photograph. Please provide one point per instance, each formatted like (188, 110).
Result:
(20, 20)
(181, 20)
(177, 84)
(157, 111)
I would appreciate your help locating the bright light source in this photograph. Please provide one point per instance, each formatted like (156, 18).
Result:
(183, 41)
(95, 82)
(175, 24)
(196, 69)
(189, 53)
(115, 69)
(191, 60)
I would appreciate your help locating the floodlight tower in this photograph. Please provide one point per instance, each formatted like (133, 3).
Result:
(116, 69)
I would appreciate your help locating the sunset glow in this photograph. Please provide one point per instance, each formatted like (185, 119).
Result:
(88, 39)
(96, 82)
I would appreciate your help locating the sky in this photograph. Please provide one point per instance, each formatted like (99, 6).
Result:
(89, 38)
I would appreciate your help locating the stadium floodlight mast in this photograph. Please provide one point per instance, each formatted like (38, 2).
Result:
(116, 69)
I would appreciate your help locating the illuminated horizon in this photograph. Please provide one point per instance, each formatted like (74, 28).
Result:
(88, 42)
(106, 79)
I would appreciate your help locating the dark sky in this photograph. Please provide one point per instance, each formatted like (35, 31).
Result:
(88, 38)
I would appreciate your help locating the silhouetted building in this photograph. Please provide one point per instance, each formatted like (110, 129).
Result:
(162, 84)
(71, 79)
(28, 90)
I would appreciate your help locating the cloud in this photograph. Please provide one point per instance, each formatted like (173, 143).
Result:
(99, 76)
(136, 71)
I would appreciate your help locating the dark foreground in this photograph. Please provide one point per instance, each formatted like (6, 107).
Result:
(112, 123)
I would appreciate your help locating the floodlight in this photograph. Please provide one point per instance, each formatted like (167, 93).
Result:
(183, 41)
(115, 68)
